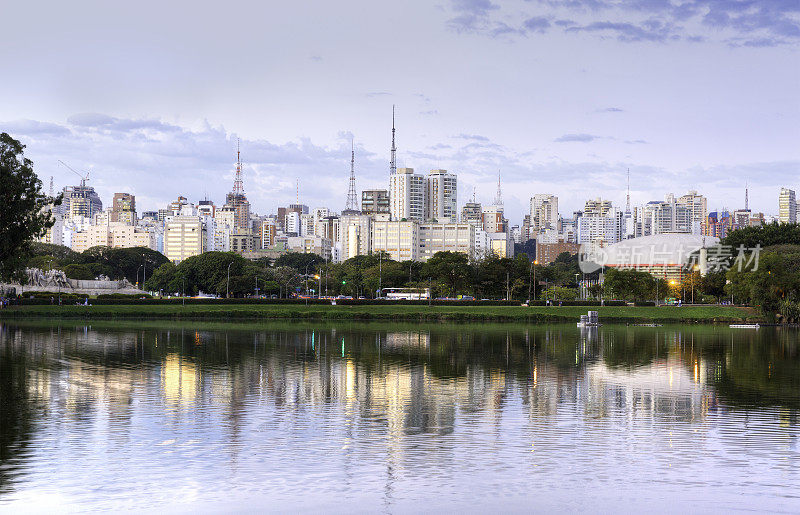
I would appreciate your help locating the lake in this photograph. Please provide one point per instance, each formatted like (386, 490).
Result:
(376, 417)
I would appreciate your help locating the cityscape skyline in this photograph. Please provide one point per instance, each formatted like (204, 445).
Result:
(563, 98)
(516, 208)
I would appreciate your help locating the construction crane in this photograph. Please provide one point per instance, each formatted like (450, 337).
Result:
(83, 178)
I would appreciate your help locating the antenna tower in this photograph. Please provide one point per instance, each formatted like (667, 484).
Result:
(628, 196)
(238, 186)
(352, 198)
(393, 162)
(51, 186)
(746, 199)
(498, 200)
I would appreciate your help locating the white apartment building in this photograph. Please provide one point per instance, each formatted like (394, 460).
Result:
(446, 237)
(441, 193)
(493, 220)
(501, 244)
(666, 217)
(184, 236)
(600, 230)
(356, 235)
(544, 212)
(400, 239)
(310, 245)
(698, 206)
(787, 206)
(407, 195)
(117, 235)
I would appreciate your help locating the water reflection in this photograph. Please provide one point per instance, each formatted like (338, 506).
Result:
(377, 413)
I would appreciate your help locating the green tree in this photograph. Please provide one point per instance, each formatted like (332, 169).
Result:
(449, 269)
(24, 213)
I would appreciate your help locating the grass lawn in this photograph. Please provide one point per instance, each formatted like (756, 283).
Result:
(686, 314)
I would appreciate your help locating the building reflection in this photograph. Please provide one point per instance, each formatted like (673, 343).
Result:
(401, 382)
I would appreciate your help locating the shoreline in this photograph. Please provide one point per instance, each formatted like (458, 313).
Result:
(533, 314)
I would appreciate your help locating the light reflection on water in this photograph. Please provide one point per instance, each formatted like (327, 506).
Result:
(373, 417)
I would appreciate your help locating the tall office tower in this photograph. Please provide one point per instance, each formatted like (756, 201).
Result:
(123, 209)
(544, 212)
(441, 193)
(374, 202)
(787, 206)
(237, 199)
(80, 201)
(596, 207)
(471, 213)
(698, 206)
(407, 195)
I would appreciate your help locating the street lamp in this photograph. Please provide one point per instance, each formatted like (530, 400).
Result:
(228, 284)
(137, 275)
(532, 281)
(319, 285)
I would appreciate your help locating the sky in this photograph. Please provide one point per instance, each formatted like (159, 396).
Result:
(558, 97)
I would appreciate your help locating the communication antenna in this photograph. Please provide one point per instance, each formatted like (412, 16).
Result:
(238, 185)
(51, 186)
(393, 162)
(628, 197)
(352, 198)
(498, 200)
(746, 200)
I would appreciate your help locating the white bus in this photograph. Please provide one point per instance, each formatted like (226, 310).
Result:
(406, 293)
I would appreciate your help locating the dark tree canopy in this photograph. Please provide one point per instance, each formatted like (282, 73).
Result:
(765, 235)
(23, 216)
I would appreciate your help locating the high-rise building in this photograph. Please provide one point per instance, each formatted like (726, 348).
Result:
(471, 213)
(407, 195)
(698, 207)
(123, 208)
(718, 224)
(668, 216)
(206, 208)
(374, 202)
(492, 219)
(80, 201)
(441, 193)
(600, 230)
(184, 236)
(544, 212)
(398, 238)
(787, 206)
(597, 207)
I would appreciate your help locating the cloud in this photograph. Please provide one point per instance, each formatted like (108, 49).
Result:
(636, 142)
(90, 120)
(583, 138)
(612, 110)
(753, 23)
(538, 24)
(34, 128)
(373, 94)
(430, 112)
(157, 161)
(476, 137)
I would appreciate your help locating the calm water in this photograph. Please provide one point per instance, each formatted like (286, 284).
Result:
(398, 418)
